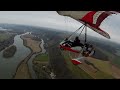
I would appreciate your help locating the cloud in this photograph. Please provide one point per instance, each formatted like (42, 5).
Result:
(53, 20)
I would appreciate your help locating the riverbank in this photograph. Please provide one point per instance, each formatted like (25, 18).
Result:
(33, 45)
(22, 71)
(8, 65)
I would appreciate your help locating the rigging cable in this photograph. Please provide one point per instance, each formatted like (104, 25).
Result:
(75, 31)
(81, 31)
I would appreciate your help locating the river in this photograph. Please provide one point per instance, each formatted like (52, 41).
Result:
(8, 65)
(30, 64)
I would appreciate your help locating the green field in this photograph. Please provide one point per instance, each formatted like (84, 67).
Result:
(42, 58)
(42, 73)
(113, 58)
(104, 67)
(116, 61)
(102, 75)
(75, 69)
(4, 36)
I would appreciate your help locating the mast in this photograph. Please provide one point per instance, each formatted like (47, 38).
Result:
(85, 33)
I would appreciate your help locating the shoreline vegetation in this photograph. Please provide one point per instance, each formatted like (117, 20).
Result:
(10, 51)
(6, 41)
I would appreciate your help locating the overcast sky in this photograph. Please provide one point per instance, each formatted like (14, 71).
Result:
(53, 20)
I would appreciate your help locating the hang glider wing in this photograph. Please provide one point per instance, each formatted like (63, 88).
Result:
(91, 19)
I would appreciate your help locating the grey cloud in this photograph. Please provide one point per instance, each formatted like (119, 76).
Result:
(53, 20)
